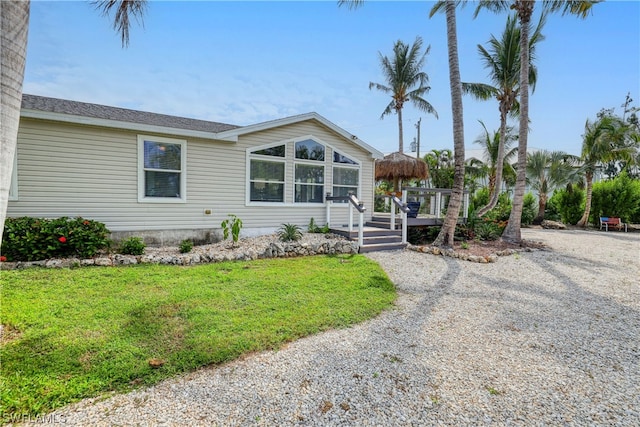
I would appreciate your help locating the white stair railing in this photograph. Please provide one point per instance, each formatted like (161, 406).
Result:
(354, 202)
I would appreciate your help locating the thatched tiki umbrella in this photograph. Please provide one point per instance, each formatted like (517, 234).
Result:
(398, 166)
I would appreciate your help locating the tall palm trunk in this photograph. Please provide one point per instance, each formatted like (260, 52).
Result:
(512, 231)
(495, 185)
(445, 237)
(396, 180)
(400, 132)
(587, 207)
(14, 24)
(542, 206)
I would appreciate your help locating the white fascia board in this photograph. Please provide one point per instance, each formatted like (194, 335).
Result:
(234, 133)
(117, 124)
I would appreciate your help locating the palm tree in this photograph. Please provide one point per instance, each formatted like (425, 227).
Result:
(477, 174)
(524, 9)
(405, 81)
(445, 237)
(503, 61)
(441, 167)
(446, 233)
(14, 23)
(491, 145)
(546, 171)
(604, 140)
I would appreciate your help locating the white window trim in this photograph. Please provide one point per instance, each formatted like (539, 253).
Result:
(13, 186)
(357, 166)
(183, 172)
(290, 161)
(250, 155)
(345, 166)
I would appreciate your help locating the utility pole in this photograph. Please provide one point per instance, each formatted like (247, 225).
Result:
(418, 127)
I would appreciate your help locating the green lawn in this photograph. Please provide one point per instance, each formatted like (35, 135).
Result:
(81, 332)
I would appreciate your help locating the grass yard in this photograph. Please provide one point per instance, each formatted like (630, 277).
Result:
(72, 334)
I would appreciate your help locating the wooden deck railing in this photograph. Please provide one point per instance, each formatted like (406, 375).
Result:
(432, 206)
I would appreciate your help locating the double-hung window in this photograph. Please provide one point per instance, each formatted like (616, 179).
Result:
(266, 174)
(162, 170)
(346, 175)
(309, 172)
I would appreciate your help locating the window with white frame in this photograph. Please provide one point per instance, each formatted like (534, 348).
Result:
(162, 170)
(310, 150)
(13, 186)
(296, 170)
(346, 175)
(266, 174)
(309, 172)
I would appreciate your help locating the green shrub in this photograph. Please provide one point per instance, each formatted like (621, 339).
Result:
(488, 230)
(185, 246)
(479, 199)
(314, 228)
(32, 239)
(618, 197)
(529, 209)
(132, 246)
(231, 226)
(566, 205)
(289, 233)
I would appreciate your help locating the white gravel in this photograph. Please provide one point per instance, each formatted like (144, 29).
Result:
(549, 337)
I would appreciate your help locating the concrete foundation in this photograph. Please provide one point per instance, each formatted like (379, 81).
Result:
(174, 237)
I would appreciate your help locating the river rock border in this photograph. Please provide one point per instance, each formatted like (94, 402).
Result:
(467, 257)
(329, 246)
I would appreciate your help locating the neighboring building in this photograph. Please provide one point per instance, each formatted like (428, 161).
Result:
(169, 178)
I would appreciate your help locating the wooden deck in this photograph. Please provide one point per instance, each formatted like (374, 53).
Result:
(382, 219)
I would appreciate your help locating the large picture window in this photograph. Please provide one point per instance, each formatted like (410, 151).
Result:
(266, 181)
(346, 175)
(299, 172)
(266, 174)
(161, 170)
(309, 150)
(345, 181)
(309, 186)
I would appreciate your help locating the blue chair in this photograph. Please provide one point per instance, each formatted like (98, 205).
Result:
(414, 207)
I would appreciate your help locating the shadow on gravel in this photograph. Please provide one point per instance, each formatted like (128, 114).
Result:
(592, 334)
(387, 356)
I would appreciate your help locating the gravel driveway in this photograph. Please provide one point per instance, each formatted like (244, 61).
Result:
(549, 337)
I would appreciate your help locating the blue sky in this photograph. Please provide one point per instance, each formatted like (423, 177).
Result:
(248, 62)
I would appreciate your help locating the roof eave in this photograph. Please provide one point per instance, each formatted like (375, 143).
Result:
(235, 133)
(119, 124)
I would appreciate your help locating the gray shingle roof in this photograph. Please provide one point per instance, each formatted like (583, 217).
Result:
(63, 106)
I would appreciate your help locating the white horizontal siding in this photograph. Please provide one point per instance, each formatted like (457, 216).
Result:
(74, 170)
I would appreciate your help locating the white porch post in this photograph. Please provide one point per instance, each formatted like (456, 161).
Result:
(361, 230)
(393, 215)
(350, 217)
(404, 218)
(329, 211)
(438, 204)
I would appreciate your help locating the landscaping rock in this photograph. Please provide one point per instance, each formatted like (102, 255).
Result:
(553, 225)
(243, 250)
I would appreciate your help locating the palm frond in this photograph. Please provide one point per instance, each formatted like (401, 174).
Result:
(124, 10)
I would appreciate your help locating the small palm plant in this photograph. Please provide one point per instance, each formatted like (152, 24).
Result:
(289, 233)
